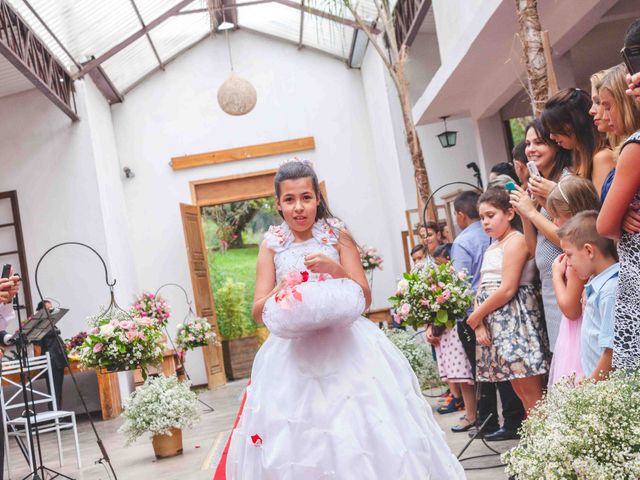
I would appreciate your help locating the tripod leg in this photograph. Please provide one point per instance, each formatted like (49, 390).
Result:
(209, 407)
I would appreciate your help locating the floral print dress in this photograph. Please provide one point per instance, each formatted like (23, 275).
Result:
(519, 344)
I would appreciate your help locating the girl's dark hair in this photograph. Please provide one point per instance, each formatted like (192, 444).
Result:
(443, 251)
(497, 197)
(505, 168)
(296, 169)
(567, 113)
(562, 158)
(436, 227)
(632, 37)
(417, 248)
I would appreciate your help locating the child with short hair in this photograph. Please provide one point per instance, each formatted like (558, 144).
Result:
(593, 258)
(418, 253)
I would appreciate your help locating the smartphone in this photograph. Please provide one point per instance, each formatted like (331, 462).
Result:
(510, 186)
(533, 169)
(6, 270)
(631, 57)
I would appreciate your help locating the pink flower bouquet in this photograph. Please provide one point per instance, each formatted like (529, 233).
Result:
(117, 341)
(148, 305)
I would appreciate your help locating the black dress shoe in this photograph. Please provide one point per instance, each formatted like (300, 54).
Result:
(502, 434)
(483, 433)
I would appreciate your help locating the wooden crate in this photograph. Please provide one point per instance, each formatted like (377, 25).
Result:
(238, 356)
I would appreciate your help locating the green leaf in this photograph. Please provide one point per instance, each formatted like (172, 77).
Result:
(441, 317)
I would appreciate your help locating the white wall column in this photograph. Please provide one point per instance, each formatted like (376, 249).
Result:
(491, 145)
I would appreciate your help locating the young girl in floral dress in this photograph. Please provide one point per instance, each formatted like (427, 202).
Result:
(330, 396)
(508, 320)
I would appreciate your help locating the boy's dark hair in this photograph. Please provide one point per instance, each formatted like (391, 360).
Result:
(632, 37)
(581, 229)
(519, 152)
(505, 168)
(443, 251)
(417, 248)
(467, 203)
(436, 227)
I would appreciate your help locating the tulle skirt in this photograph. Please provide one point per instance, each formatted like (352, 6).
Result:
(566, 357)
(340, 403)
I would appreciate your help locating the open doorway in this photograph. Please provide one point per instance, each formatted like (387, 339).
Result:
(233, 232)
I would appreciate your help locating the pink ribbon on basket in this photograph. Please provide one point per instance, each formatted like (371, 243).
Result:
(290, 291)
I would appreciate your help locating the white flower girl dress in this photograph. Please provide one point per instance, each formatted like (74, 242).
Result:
(330, 396)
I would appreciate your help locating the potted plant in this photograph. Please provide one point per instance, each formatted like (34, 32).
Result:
(193, 333)
(118, 342)
(239, 343)
(163, 407)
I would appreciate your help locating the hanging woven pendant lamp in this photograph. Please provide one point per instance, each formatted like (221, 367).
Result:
(236, 96)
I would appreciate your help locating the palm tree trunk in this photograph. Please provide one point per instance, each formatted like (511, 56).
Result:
(531, 37)
(413, 142)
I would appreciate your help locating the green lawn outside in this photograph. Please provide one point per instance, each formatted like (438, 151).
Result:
(240, 265)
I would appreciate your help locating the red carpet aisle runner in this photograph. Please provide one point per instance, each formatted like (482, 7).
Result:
(222, 465)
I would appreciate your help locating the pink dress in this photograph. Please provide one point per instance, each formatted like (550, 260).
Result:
(453, 364)
(566, 355)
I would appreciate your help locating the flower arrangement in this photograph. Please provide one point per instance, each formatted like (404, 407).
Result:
(370, 258)
(432, 294)
(120, 342)
(418, 355)
(588, 432)
(160, 404)
(148, 305)
(73, 344)
(195, 332)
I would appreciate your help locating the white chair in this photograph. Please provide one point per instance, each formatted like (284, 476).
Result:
(47, 421)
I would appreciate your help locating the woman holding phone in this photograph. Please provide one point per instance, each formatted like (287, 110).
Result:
(548, 164)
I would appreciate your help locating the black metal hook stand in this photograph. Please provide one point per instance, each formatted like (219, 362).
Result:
(480, 429)
(112, 304)
(190, 314)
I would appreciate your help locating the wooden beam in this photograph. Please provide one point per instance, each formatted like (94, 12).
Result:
(132, 38)
(321, 13)
(30, 55)
(233, 188)
(243, 153)
(227, 7)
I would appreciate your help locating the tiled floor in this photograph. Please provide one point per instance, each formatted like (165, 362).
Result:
(202, 447)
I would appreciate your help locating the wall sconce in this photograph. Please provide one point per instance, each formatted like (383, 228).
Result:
(447, 138)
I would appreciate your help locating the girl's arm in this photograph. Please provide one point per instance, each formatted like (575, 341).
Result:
(265, 281)
(568, 288)
(533, 220)
(530, 236)
(625, 185)
(603, 162)
(516, 255)
(350, 265)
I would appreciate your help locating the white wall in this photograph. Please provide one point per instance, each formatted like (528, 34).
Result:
(453, 18)
(422, 64)
(446, 165)
(300, 93)
(49, 161)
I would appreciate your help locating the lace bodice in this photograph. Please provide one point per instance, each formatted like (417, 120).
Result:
(491, 271)
(289, 255)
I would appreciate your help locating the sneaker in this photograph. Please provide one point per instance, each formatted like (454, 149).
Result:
(446, 399)
(455, 405)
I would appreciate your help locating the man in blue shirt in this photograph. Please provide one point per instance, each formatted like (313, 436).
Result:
(467, 253)
(593, 257)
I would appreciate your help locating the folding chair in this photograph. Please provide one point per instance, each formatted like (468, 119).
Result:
(47, 421)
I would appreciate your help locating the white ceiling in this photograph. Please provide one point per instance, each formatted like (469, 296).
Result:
(11, 80)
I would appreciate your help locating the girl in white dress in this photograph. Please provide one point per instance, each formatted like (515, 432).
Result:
(330, 397)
